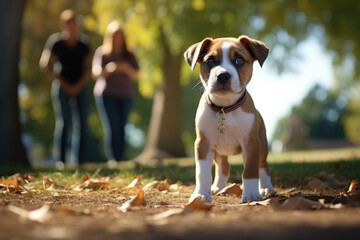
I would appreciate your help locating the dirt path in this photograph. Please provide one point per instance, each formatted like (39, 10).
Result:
(96, 215)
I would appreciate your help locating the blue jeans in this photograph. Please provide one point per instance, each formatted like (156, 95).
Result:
(69, 113)
(114, 115)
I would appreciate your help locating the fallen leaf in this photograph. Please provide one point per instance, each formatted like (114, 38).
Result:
(299, 203)
(47, 182)
(169, 213)
(161, 186)
(93, 185)
(85, 178)
(317, 185)
(11, 185)
(66, 210)
(17, 189)
(232, 189)
(135, 183)
(258, 203)
(352, 187)
(39, 215)
(174, 187)
(27, 177)
(139, 200)
(198, 204)
(276, 201)
(99, 185)
(9, 182)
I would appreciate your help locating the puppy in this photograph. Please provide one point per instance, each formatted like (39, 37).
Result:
(227, 121)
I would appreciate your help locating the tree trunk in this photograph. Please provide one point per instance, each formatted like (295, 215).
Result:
(164, 134)
(12, 151)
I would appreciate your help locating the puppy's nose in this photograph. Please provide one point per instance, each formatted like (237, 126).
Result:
(223, 78)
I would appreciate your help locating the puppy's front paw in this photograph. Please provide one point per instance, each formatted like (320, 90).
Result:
(246, 197)
(266, 191)
(215, 188)
(251, 191)
(204, 197)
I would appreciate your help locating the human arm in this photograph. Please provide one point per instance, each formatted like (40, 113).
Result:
(97, 67)
(127, 68)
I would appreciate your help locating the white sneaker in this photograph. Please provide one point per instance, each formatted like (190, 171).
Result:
(59, 165)
(112, 164)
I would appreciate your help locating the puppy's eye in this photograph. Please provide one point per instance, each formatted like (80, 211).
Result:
(239, 61)
(210, 62)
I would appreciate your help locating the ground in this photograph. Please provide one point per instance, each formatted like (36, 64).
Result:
(106, 207)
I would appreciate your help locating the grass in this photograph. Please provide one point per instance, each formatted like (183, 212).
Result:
(287, 169)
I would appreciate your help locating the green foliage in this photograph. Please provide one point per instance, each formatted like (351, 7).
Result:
(322, 111)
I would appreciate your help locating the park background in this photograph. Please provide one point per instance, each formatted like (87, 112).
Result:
(307, 91)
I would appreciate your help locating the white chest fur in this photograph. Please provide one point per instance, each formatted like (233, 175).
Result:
(238, 125)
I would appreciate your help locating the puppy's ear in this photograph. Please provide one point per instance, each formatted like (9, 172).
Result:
(256, 48)
(194, 52)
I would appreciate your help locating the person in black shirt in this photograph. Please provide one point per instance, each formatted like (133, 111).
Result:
(67, 60)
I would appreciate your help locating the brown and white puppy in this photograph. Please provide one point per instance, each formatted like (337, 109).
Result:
(227, 121)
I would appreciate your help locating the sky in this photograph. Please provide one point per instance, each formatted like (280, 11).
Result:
(274, 94)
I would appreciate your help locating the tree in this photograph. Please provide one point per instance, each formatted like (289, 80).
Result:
(12, 151)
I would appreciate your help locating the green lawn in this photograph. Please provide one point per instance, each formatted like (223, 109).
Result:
(287, 169)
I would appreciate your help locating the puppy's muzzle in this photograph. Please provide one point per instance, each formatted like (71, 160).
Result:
(223, 78)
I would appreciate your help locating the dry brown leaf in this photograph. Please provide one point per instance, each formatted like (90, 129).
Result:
(232, 189)
(134, 184)
(17, 189)
(299, 203)
(352, 187)
(93, 185)
(137, 201)
(317, 185)
(11, 185)
(85, 178)
(67, 211)
(99, 185)
(47, 182)
(9, 182)
(198, 205)
(161, 186)
(27, 177)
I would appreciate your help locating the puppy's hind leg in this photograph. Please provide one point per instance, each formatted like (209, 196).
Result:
(222, 170)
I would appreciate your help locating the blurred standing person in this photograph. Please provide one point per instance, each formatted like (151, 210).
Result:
(66, 58)
(115, 69)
